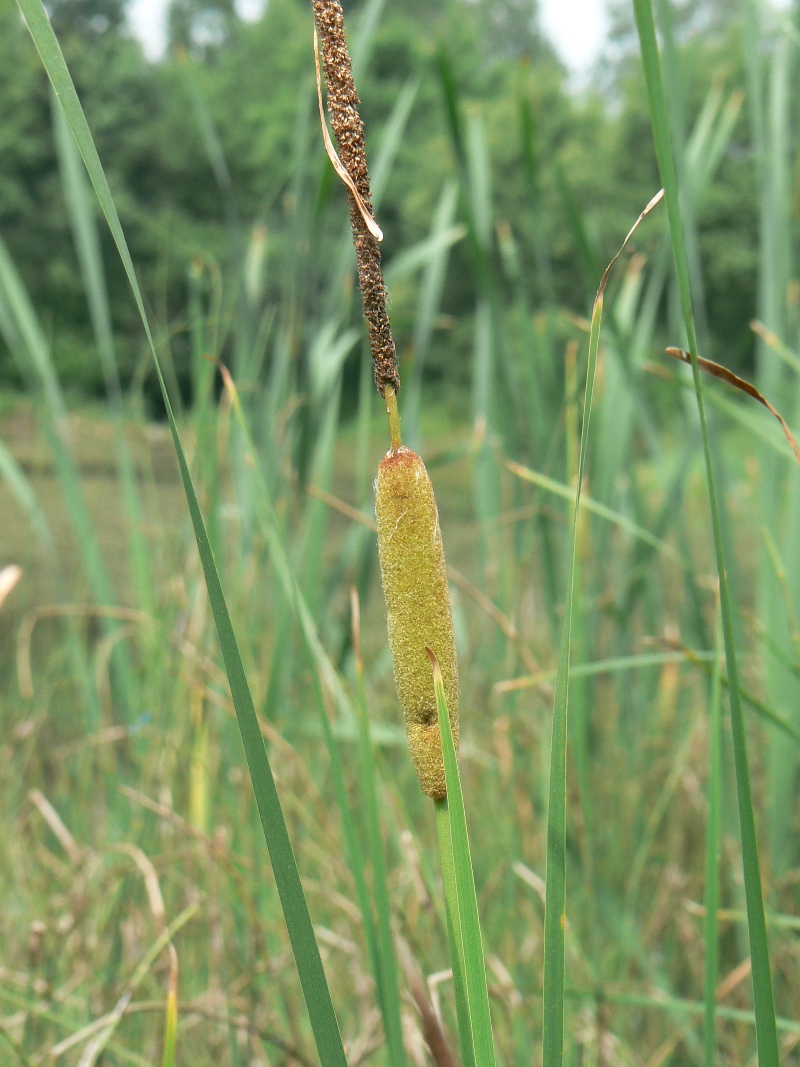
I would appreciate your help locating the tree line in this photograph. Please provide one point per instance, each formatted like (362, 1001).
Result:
(220, 136)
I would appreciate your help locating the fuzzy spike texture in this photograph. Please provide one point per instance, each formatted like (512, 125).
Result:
(417, 606)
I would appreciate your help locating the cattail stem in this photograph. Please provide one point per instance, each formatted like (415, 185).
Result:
(390, 396)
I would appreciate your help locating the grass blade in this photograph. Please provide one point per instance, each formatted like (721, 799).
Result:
(95, 1048)
(711, 922)
(379, 941)
(596, 508)
(16, 1049)
(25, 338)
(766, 1035)
(452, 917)
(170, 1030)
(21, 488)
(555, 881)
(462, 900)
(287, 877)
(87, 244)
(390, 997)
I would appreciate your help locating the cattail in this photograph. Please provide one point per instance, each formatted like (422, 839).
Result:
(418, 607)
(409, 539)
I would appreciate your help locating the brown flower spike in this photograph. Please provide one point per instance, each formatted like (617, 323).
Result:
(343, 107)
(409, 539)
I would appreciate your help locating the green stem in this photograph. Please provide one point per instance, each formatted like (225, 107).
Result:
(386, 975)
(763, 997)
(390, 396)
(711, 921)
(453, 927)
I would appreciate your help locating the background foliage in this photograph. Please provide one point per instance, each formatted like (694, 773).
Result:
(503, 194)
(253, 84)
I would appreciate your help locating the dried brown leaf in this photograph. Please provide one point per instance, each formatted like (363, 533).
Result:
(333, 156)
(725, 375)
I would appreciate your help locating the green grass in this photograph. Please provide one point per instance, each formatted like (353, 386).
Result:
(658, 818)
(759, 948)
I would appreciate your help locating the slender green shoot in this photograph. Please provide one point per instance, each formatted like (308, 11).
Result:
(764, 1005)
(390, 396)
(16, 1048)
(79, 201)
(711, 920)
(387, 965)
(460, 896)
(556, 876)
(452, 917)
(171, 1013)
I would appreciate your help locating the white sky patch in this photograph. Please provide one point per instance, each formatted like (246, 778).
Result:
(148, 20)
(578, 30)
(576, 27)
(250, 10)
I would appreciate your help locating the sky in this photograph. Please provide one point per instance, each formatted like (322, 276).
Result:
(576, 27)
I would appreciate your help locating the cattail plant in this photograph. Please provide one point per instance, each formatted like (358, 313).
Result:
(409, 538)
(419, 617)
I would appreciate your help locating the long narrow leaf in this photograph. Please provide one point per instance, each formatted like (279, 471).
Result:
(711, 921)
(596, 508)
(452, 818)
(766, 1035)
(390, 994)
(556, 875)
(78, 196)
(287, 877)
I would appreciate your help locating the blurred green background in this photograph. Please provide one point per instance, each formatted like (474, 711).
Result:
(214, 138)
(503, 193)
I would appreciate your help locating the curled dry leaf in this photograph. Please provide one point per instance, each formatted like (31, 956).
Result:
(338, 166)
(725, 375)
(654, 202)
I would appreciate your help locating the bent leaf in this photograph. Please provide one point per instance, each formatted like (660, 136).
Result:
(725, 375)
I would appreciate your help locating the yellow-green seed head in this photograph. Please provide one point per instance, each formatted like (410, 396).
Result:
(417, 607)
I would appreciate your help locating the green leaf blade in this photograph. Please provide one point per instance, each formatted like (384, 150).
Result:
(287, 877)
(452, 814)
(764, 1005)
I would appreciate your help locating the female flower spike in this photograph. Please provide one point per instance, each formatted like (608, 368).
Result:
(418, 607)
